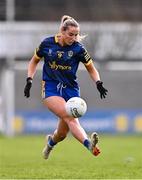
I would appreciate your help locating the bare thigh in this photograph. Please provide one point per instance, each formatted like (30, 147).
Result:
(56, 104)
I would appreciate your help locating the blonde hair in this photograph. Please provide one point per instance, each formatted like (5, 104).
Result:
(67, 21)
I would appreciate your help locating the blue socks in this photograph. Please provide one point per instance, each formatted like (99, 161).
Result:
(86, 143)
(51, 143)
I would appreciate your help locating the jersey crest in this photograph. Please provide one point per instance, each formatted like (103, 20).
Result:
(60, 54)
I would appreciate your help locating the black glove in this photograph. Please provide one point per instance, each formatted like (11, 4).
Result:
(28, 87)
(101, 89)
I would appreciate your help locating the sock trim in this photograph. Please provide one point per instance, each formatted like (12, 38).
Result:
(86, 143)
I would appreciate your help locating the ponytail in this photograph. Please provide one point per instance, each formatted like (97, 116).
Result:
(67, 21)
(64, 18)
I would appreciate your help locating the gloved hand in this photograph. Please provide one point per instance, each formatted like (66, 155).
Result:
(101, 89)
(28, 87)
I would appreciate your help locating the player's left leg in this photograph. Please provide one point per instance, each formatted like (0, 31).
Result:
(94, 139)
(80, 134)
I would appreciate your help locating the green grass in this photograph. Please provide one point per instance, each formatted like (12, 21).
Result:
(121, 157)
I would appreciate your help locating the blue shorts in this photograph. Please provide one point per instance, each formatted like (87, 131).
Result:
(53, 88)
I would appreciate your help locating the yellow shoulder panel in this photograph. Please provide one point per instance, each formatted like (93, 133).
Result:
(37, 57)
(89, 62)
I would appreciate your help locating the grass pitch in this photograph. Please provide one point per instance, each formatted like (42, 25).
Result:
(121, 157)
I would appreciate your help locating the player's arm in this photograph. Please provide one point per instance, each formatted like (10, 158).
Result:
(96, 78)
(31, 72)
(93, 71)
(88, 62)
(32, 66)
(86, 59)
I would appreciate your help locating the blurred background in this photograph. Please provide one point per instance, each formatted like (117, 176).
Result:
(114, 40)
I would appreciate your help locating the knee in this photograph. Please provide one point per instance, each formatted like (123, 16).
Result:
(71, 120)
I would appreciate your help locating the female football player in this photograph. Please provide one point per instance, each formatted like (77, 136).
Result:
(62, 54)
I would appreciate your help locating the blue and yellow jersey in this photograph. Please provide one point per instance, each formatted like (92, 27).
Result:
(61, 62)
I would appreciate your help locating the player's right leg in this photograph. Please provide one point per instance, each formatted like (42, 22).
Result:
(48, 148)
(59, 135)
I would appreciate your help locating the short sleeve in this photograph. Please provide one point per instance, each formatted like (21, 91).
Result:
(39, 51)
(84, 57)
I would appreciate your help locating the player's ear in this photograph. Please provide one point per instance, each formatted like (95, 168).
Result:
(62, 30)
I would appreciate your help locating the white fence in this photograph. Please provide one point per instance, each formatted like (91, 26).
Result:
(104, 40)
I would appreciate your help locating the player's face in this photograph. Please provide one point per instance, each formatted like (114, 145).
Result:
(70, 35)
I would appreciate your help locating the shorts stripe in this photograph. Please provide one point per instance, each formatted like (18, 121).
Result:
(43, 89)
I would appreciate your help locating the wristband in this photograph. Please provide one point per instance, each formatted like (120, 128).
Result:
(29, 79)
(98, 82)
